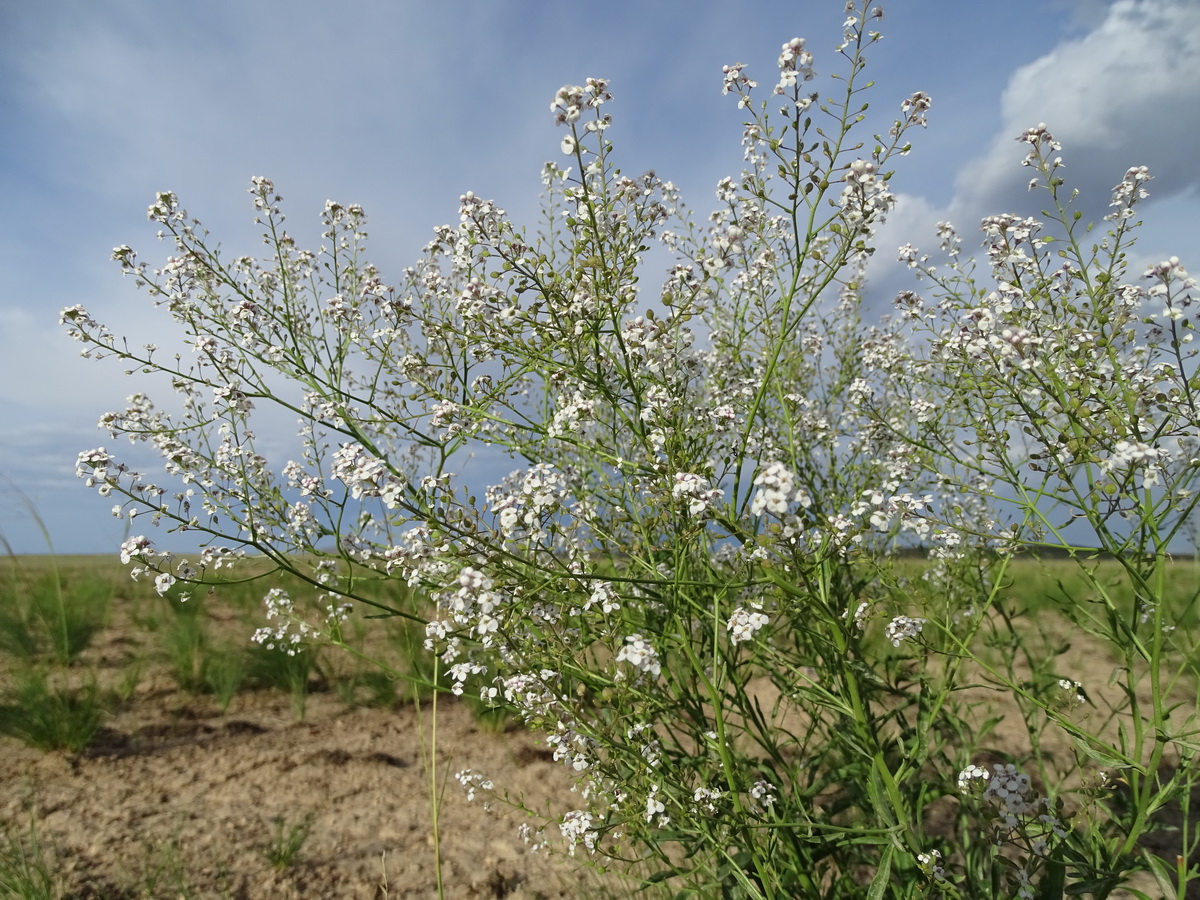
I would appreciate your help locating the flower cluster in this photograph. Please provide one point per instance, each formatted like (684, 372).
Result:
(1074, 691)
(290, 630)
(1019, 816)
(744, 624)
(471, 600)
(526, 501)
(736, 79)
(931, 865)
(167, 570)
(903, 628)
(576, 828)
(639, 653)
(865, 198)
(570, 100)
(1136, 455)
(365, 475)
(915, 107)
(696, 492)
(795, 65)
(777, 491)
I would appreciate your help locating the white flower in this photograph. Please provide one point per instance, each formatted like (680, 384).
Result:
(903, 627)
(763, 792)
(970, 779)
(1075, 689)
(604, 595)
(135, 548)
(639, 653)
(576, 828)
(777, 490)
(696, 491)
(743, 625)
(931, 864)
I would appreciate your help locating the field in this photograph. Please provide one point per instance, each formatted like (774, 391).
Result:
(157, 753)
(153, 751)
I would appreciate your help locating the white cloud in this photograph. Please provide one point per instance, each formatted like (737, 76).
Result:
(912, 221)
(1126, 93)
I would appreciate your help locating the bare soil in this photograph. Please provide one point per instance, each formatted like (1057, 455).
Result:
(174, 800)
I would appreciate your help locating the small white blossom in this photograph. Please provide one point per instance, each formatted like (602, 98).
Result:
(1074, 689)
(973, 779)
(696, 492)
(763, 792)
(903, 627)
(640, 654)
(931, 864)
(744, 624)
(576, 828)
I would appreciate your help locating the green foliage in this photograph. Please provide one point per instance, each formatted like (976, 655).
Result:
(51, 717)
(51, 616)
(285, 671)
(414, 666)
(366, 688)
(164, 873)
(27, 867)
(287, 839)
(695, 584)
(225, 671)
(186, 644)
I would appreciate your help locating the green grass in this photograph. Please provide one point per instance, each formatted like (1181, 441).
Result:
(49, 616)
(185, 643)
(225, 671)
(164, 874)
(288, 672)
(27, 867)
(52, 609)
(415, 668)
(366, 688)
(1055, 591)
(50, 717)
(1050, 583)
(283, 849)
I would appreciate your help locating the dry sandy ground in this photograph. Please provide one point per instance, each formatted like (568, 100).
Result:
(173, 802)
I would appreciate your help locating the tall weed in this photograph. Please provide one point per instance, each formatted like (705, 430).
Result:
(695, 582)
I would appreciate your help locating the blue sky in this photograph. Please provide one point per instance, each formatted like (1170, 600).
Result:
(403, 106)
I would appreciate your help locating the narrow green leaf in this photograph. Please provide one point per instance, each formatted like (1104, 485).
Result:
(882, 875)
(1162, 875)
(1103, 757)
(1054, 880)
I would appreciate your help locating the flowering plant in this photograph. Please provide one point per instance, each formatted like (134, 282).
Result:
(694, 582)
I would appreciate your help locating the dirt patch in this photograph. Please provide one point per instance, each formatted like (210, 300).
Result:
(176, 799)
(171, 801)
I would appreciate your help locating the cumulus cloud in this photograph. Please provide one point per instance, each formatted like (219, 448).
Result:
(1125, 93)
